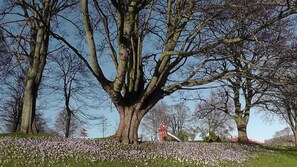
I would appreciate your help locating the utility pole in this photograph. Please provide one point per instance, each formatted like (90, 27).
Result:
(103, 123)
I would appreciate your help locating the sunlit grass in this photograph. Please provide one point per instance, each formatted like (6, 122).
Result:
(275, 157)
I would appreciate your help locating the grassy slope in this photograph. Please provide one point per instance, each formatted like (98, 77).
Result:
(274, 157)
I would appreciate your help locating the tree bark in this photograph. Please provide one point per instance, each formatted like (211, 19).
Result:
(37, 62)
(241, 124)
(68, 122)
(295, 137)
(127, 131)
(28, 124)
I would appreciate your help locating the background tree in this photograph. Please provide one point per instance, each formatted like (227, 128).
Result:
(71, 83)
(152, 120)
(286, 107)
(283, 137)
(249, 59)
(11, 109)
(12, 103)
(61, 122)
(28, 41)
(179, 120)
(281, 97)
(211, 117)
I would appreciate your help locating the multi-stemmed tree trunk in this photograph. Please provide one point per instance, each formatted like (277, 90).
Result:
(129, 93)
(156, 48)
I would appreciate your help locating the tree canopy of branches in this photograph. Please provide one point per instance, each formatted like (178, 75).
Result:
(26, 25)
(157, 47)
(282, 98)
(251, 60)
(142, 50)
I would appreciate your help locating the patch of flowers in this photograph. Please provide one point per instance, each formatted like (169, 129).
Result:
(50, 151)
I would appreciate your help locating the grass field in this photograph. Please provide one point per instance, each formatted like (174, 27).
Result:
(46, 150)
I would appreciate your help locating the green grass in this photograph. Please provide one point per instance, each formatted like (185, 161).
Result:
(275, 157)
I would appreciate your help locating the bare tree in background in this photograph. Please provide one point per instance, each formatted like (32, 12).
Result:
(251, 61)
(61, 122)
(152, 120)
(177, 36)
(26, 25)
(211, 118)
(282, 98)
(282, 137)
(11, 109)
(70, 76)
(12, 103)
(176, 117)
(179, 118)
(285, 105)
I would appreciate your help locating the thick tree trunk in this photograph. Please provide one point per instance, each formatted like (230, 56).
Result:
(28, 124)
(127, 131)
(39, 41)
(242, 130)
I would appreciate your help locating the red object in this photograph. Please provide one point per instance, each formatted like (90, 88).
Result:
(163, 132)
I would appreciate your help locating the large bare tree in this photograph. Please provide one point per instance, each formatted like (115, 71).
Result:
(251, 60)
(155, 48)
